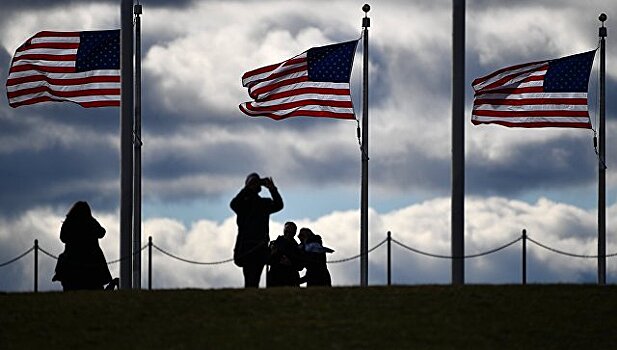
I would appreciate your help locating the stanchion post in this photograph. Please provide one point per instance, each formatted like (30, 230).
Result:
(524, 257)
(36, 265)
(389, 258)
(150, 263)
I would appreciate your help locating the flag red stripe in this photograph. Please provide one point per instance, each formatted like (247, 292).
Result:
(70, 81)
(301, 103)
(301, 113)
(506, 79)
(530, 101)
(34, 81)
(500, 71)
(91, 104)
(277, 75)
(514, 114)
(255, 93)
(27, 67)
(59, 93)
(29, 46)
(272, 67)
(308, 90)
(46, 57)
(512, 91)
(535, 124)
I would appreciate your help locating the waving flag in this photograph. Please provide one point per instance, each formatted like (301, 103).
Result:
(533, 95)
(80, 67)
(312, 84)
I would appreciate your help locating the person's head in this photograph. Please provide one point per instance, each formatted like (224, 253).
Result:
(304, 234)
(253, 182)
(289, 230)
(79, 210)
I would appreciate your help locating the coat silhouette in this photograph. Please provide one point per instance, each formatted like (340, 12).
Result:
(251, 250)
(82, 265)
(317, 273)
(285, 262)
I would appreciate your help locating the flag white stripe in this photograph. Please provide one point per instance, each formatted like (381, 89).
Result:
(532, 95)
(500, 76)
(301, 97)
(317, 108)
(524, 108)
(275, 81)
(281, 68)
(77, 75)
(55, 39)
(78, 87)
(532, 119)
(42, 51)
(303, 85)
(78, 99)
(45, 63)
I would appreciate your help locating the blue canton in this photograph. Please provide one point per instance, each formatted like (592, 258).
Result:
(331, 63)
(569, 74)
(98, 50)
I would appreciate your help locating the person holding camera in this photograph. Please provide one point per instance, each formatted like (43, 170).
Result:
(251, 250)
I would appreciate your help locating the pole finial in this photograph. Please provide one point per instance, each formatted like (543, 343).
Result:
(366, 8)
(603, 17)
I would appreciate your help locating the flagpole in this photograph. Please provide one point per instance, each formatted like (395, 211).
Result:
(458, 143)
(126, 142)
(366, 23)
(601, 160)
(137, 10)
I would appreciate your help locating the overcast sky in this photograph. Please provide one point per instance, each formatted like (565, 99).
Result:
(198, 147)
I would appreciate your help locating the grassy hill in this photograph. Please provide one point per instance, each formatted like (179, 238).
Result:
(418, 317)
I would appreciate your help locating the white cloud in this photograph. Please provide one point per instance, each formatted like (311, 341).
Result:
(490, 223)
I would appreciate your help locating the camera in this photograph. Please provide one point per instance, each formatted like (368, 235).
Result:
(263, 181)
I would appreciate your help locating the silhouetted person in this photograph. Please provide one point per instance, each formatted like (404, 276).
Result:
(251, 251)
(82, 265)
(314, 253)
(285, 260)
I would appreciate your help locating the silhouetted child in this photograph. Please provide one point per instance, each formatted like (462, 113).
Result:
(314, 252)
(82, 265)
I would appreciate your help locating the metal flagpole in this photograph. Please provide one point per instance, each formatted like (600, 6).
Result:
(126, 142)
(601, 161)
(366, 22)
(458, 142)
(137, 10)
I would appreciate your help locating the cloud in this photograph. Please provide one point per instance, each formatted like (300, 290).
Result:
(490, 223)
(197, 145)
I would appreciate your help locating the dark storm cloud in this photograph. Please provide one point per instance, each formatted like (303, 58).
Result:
(38, 4)
(57, 176)
(551, 165)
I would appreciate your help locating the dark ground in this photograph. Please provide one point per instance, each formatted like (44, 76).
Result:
(418, 317)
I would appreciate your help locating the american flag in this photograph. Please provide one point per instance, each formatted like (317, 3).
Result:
(312, 84)
(80, 67)
(549, 93)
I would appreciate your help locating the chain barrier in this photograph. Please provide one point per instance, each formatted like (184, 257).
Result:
(17, 258)
(195, 262)
(108, 263)
(566, 253)
(48, 253)
(128, 256)
(471, 256)
(359, 255)
(171, 255)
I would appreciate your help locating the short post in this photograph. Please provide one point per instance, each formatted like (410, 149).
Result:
(149, 262)
(524, 257)
(36, 265)
(389, 258)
